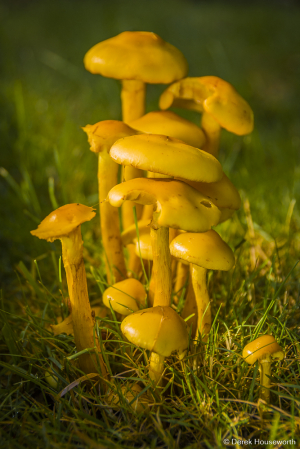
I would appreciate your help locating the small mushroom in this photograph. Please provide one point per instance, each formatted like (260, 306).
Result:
(65, 224)
(218, 101)
(131, 394)
(160, 330)
(263, 350)
(125, 297)
(205, 251)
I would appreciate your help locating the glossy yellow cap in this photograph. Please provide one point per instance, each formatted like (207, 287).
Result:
(144, 245)
(214, 96)
(260, 347)
(105, 133)
(159, 329)
(125, 296)
(168, 123)
(177, 205)
(222, 193)
(162, 154)
(62, 221)
(206, 250)
(129, 235)
(137, 55)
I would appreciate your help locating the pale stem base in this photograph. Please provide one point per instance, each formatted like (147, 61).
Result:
(265, 375)
(156, 368)
(202, 300)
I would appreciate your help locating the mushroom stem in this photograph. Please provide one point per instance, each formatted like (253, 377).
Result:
(151, 291)
(156, 368)
(202, 300)
(182, 271)
(109, 220)
(190, 307)
(83, 322)
(212, 131)
(161, 266)
(265, 374)
(133, 99)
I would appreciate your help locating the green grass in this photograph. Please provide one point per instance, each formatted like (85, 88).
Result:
(46, 96)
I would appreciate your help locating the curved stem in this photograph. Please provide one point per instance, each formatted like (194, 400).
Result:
(190, 307)
(109, 220)
(182, 272)
(202, 300)
(83, 321)
(161, 266)
(212, 131)
(156, 368)
(265, 377)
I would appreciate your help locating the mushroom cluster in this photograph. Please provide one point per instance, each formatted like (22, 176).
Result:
(171, 175)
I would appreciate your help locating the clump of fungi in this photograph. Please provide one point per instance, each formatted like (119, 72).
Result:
(170, 172)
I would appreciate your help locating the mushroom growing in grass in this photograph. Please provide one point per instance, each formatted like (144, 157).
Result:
(264, 349)
(125, 297)
(160, 330)
(205, 251)
(101, 137)
(65, 224)
(131, 394)
(176, 205)
(218, 101)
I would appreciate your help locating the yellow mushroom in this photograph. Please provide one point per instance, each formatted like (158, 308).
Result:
(125, 297)
(176, 205)
(205, 251)
(64, 224)
(160, 330)
(131, 394)
(218, 101)
(263, 350)
(101, 137)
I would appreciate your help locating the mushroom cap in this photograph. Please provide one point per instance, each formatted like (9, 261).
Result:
(177, 205)
(222, 193)
(214, 96)
(62, 221)
(168, 123)
(260, 347)
(159, 329)
(206, 250)
(144, 244)
(129, 235)
(125, 296)
(105, 133)
(137, 55)
(162, 154)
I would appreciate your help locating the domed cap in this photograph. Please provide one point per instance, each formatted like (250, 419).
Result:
(206, 250)
(222, 193)
(177, 205)
(214, 96)
(125, 296)
(129, 235)
(137, 55)
(105, 133)
(129, 393)
(62, 221)
(162, 154)
(260, 347)
(168, 123)
(145, 246)
(159, 329)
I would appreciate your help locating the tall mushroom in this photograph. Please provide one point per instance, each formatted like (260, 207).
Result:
(136, 58)
(218, 101)
(176, 205)
(263, 350)
(205, 251)
(65, 224)
(101, 137)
